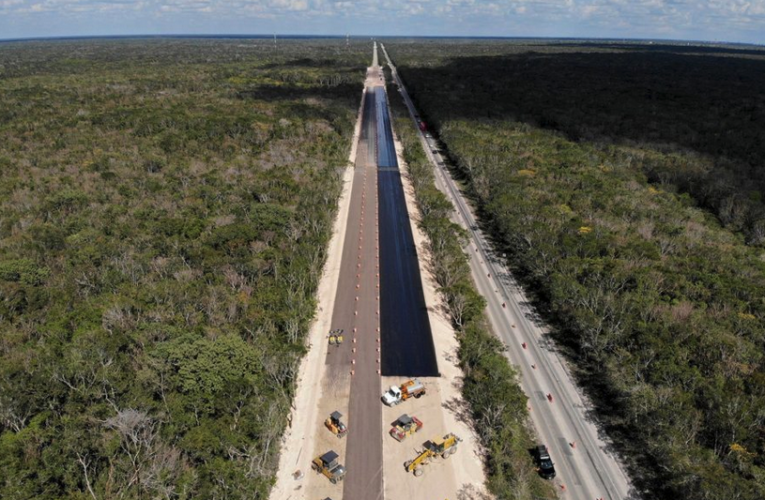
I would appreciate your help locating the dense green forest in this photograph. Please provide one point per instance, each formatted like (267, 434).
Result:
(490, 385)
(625, 184)
(164, 211)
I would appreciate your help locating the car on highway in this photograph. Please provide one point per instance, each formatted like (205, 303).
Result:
(546, 467)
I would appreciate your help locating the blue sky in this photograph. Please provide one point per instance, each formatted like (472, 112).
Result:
(712, 20)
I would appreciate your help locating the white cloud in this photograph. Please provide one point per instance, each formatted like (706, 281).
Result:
(701, 19)
(289, 5)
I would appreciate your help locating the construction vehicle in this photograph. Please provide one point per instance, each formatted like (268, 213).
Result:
(546, 467)
(437, 447)
(328, 465)
(410, 388)
(405, 426)
(335, 425)
(336, 337)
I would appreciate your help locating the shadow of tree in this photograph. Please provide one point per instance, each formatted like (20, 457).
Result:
(471, 492)
(691, 102)
(460, 409)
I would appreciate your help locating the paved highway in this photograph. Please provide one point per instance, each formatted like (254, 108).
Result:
(356, 311)
(586, 468)
(379, 300)
(407, 341)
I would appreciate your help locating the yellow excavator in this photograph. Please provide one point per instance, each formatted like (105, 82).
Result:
(437, 447)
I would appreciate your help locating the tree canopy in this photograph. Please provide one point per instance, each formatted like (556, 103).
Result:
(165, 207)
(624, 190)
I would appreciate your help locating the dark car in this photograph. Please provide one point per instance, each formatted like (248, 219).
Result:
(546, 466)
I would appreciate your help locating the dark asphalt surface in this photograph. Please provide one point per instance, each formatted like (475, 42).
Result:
(386, 150)
(407, 340)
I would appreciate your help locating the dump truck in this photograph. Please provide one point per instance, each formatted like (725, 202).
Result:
(334, 424)
(546, 468)
(437, 447)
(405, 426)
(328, 465)
(410, 388)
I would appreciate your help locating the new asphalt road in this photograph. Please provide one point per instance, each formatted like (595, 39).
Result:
(379, 303)
(407, 341)
(587, 467)
(356, 312)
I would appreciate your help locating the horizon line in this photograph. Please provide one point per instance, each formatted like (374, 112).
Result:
(371, 37)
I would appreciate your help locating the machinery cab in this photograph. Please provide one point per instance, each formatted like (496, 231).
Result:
(436, 445)
(443, 446)
(405, 422)
(328, 465)
(392, 396)
(335, 424)
(404, 426)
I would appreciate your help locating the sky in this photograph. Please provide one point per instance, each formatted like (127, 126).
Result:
(707, 20)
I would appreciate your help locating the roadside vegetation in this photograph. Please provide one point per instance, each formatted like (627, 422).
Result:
(625, 185)
(497, 404)
(165, 207)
